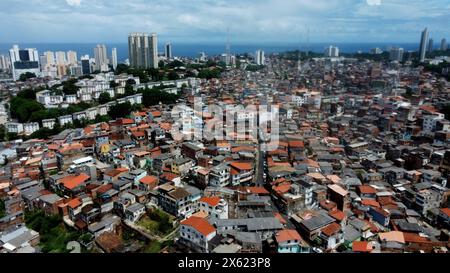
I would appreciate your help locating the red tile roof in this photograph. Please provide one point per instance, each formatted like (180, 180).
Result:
(212, 200)
(149, 179)
(370, 202)
(446, 211)
(360, 246)
(73, 181)
(257, 190)
(199, 224)
(337, 214)
(296, 144)
(331, 229)
(286, 235)
(243, 166)
(367, 189)
(74, 202)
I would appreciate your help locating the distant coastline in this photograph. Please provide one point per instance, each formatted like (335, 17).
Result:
(192, 50)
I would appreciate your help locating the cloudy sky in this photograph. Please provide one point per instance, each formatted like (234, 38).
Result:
(207, 20)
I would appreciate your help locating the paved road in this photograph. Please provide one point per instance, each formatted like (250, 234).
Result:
(260, 181)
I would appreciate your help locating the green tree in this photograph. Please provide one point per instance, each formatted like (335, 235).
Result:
(173, 75)
(42, 133)
(113, 84)
(2, 208)
(69, 87)
(122, 68)
(155, 96)
(27, 75)
(161, 64)
(104, 98)
(2, 132)
(120, 110)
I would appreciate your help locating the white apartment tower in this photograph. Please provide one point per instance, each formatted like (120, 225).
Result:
(259, 57)
(143, 50)
(101, 58)
(114, 58)
(23, 61)
(423, 45)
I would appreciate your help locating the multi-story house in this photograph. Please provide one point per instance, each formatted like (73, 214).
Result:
(197, 233)
(219, 176)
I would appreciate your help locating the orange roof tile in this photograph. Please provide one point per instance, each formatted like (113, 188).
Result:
(243, 166)
(337, 214)
(367, 189)
(296, 144)
(74, 203)
(283, 188)
(286, 235)
(149, 179)
(212, 200)
(73, 181)
(257, 190)
(392, 236)
(331, 229)
(446, 211)
(199, 224)
(361, 246)
(370, 202)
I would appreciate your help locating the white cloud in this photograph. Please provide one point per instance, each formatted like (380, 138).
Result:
(207, 20)
(73, 3)
(373, 2)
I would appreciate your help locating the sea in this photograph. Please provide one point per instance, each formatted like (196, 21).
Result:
(192, 50)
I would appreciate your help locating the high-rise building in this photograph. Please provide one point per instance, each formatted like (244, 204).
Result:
(61, 58)
(23, 61)
(4, 62)
(168, 51)
(259, 57)
(396, 54)
(43, 62)
(444, 45)
(332, 51)
(423, 45)
(202, 56)
(430, 45)
(85, 65)
(50, 58)
(143, 50)
(76, 71)
(376, 51)
(114, 58)
(101, 58)
(72, 58)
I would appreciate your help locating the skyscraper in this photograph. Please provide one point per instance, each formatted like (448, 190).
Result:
(72, 57)
(23, 61)
(143, 50)
(332, 51)
(50, 58)
(259, 57)
(61, 58)
(423, 45)
(114, 58)
(4, 62)
(85, 65)
(430, 45)
(396, 54)
(168, 51)
(101, 58)
(444, 45)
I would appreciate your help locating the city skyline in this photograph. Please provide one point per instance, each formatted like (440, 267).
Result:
(207, 21)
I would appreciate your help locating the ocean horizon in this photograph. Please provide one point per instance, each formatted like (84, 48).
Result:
(192, 50)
